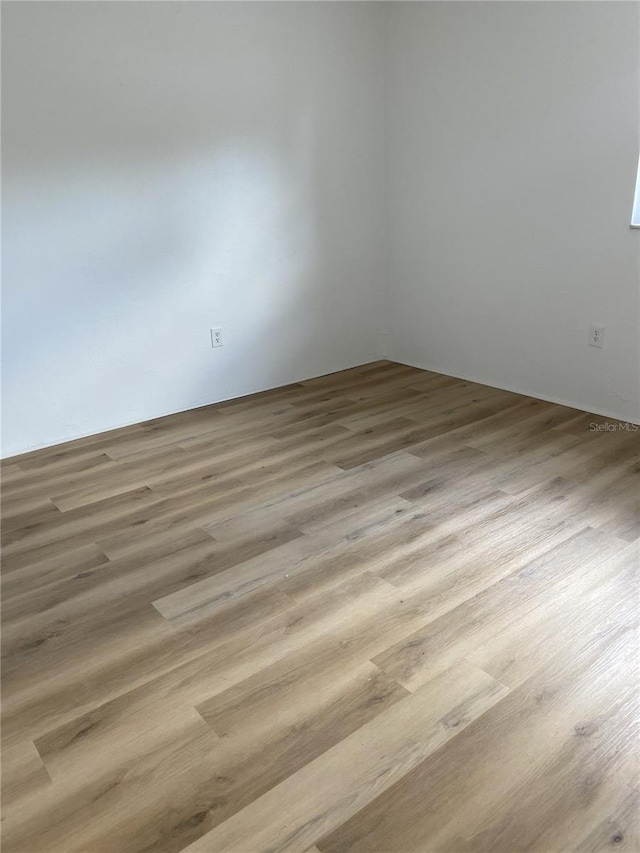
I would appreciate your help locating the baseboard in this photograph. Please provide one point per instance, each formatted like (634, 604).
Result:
(123, 425)
(383, 357)
(502, 387)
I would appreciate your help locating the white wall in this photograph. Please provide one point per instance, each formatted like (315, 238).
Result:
(513, 144)
(169, 167)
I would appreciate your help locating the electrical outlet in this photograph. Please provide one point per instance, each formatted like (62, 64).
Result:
(596, 336)
(216, 338)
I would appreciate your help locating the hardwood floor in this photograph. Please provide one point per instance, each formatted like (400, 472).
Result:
(382, 610)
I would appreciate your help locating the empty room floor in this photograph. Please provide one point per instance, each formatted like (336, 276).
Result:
(382, 610)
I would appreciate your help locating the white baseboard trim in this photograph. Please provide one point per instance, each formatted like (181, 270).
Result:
(113, 427)
(381, 357)
(536, 395)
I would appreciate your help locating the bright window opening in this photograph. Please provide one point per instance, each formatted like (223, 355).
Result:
(635, 216)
